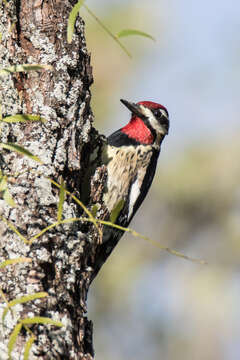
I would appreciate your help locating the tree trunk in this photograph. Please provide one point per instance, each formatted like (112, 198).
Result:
(61, 260)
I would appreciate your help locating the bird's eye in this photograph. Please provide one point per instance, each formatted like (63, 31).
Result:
(156, 113)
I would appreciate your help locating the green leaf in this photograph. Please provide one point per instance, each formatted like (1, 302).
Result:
(8, 198)
(13, 338)
(61, 201)
(72, 19)
(95, 209)
(4, 189)
(81, 205)
(21, 150)
(23, 118)
(24, 67)
(28, 347)
(12, 227)
(14, 261)
(109, 32)
(23, 300)
(130, 32)
(3, 183)
(116, 211)
(41, 320)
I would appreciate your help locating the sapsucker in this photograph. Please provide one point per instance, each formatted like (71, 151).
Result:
(130, 156)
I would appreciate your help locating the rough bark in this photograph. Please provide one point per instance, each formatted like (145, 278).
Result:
(62, 258)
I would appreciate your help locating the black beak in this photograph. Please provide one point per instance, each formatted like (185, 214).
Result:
(134, 108)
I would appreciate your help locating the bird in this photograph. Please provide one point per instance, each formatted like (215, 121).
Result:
(130, 156)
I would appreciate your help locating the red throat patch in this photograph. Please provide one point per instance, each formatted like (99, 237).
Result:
(137, 130)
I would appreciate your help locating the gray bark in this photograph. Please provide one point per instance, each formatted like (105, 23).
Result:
(62, 259)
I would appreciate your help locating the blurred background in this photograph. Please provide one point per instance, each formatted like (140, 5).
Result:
(147, 304)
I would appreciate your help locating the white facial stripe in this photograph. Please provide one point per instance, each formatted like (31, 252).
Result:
(153, 121)
(164, 113)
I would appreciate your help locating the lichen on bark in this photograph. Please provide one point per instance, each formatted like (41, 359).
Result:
(34, 32)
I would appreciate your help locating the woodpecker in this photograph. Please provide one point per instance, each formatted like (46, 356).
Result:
(130, 155)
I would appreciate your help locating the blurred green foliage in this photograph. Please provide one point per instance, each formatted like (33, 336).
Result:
(146, 303)
(194, 207)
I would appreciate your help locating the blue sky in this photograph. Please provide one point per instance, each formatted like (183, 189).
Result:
(193, 68)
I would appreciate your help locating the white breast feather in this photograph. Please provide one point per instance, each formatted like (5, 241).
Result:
(134, 194)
